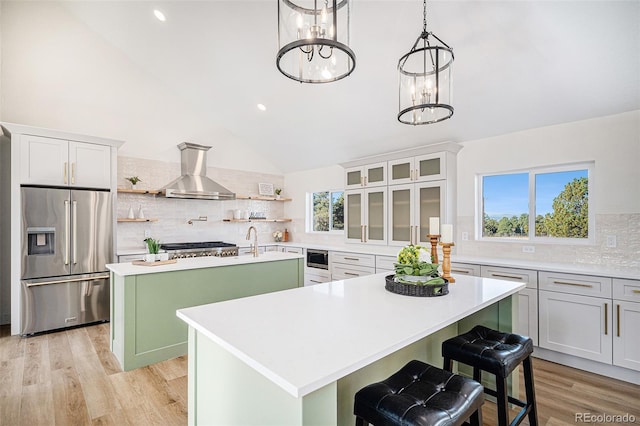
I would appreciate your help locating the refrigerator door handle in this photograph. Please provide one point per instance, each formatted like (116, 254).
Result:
(73, 280)
(66, 232)
(74, 217)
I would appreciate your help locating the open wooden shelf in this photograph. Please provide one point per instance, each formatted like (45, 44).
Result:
(257, 220)
(138, 191)
(126, 219)
(260, 197)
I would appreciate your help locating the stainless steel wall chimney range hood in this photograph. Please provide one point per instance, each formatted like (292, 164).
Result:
(193, 183)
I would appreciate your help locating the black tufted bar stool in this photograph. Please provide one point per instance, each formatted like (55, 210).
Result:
(420, 394)
(497, 353)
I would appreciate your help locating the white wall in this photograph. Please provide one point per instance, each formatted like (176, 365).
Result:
(613, 142)
(296, 186)
(62, 75)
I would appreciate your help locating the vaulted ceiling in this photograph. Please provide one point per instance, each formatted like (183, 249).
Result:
(519, 65)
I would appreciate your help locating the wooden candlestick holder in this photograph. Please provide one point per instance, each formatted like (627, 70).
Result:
(446, 261)
(434, 247)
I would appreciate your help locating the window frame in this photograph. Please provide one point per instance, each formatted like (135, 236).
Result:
(309, 213)
(589, 166)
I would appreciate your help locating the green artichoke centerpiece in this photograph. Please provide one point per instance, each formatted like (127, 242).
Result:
(414, 267)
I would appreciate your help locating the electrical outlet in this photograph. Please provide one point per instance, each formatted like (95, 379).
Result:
(611, 241)
(147, 233)
(465, 236)
(528, 249)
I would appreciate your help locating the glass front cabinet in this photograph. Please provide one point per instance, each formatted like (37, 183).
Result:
(422, 168)
(366, 215)
(410, 207)
(371, 175)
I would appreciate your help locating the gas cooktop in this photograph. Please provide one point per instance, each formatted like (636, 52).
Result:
(197, 249)
(195, 245)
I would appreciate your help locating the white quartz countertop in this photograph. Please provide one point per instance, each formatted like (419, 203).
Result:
(305, 338)
(124, 269)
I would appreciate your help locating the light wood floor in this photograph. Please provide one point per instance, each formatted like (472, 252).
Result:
(71, 378)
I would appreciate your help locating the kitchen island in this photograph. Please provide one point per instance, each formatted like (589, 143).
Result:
(144, 299)
(297, 357)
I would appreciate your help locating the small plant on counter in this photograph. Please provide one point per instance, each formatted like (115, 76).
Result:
(134, 180)
(152, 245)
(277, 236)
(414, 267)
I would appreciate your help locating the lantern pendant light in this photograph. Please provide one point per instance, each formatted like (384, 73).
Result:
(425, 86)
(313, 37)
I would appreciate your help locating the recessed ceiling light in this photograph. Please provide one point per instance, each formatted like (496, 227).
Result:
(261, 107)
(159, 15)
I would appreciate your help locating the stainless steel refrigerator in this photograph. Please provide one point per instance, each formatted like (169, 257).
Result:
(66, 243)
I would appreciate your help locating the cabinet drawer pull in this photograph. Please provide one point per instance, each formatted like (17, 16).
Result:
(515, 277)
(352, 274)
(65, 173)
(460, 271)
(618, 319)
(352, 258)
(314, 281)
(573, 284)
(636, 291)
(606, 319)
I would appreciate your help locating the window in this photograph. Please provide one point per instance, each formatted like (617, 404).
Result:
(545, 203)
(326, 211)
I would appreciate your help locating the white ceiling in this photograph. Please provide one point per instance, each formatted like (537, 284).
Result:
(519, 65)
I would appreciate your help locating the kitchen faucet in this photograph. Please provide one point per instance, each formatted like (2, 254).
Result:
(254, 246)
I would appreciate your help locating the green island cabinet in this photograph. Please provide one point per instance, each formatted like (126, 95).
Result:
(144, 326)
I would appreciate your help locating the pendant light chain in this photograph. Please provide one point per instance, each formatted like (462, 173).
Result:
(424, 16)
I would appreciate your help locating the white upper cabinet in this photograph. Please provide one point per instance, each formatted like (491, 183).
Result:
(57, 162)
(44, 161)
(371, 175)
(90, 165)
(422, 168)
(410, 207)
(366, 215)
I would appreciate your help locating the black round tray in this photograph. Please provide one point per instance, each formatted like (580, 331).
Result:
(431, 290)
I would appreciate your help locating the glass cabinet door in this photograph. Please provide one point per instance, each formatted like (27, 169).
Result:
(429, 203)
(353, 215)
(401, 229)
(376, 216)
(375, 174)
(400, 171)
(430, 167)
(353, 178)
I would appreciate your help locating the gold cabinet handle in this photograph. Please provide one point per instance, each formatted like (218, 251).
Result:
(573, 284)
(515, 277)
(636, 291)
(365, 181)
(618, 319)
(352, 274)
(73, 173)
(365, 233)
(65, 172)
(411, 174)
(416, 174)
(460, 271)
(351, 258)
(606, 319)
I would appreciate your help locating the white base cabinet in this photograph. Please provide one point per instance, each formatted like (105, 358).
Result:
(626, 341)
(527, 298)
(576, 325)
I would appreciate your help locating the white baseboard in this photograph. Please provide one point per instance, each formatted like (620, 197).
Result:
(620, 373)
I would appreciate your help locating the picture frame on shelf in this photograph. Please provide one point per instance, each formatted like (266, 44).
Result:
(265, 189)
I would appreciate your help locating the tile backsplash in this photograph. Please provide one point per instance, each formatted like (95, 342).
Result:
(173, 214)
(626, 254)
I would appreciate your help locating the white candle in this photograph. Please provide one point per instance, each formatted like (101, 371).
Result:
(434, 225)
(447, 233)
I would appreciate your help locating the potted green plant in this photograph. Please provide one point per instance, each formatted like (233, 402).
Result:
(153, 246)
(278, 191)
(134, 181)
